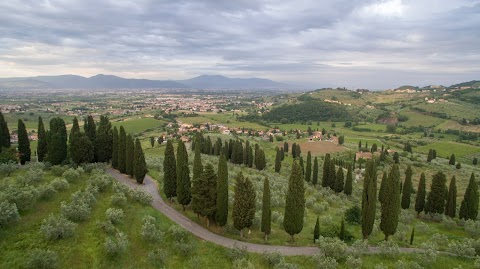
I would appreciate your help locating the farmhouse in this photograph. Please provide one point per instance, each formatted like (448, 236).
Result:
(363, 155)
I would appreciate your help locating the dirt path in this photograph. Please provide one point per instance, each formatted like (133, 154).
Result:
(199, 231)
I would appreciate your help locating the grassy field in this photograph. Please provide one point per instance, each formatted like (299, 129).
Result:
(137, 124)
(445, 149)
(418, 119)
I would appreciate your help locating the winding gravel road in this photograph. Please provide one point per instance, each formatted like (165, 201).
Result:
(199, 231)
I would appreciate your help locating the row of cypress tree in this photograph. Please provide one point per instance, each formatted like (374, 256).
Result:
(127, 155)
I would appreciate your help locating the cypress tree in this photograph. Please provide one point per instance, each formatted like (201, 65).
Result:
(315, 171)
(104, 140)
(369, 199)
(184, 195)
(430, 156)
(278, 161)
(74, 130)
(152, 141)
(475, 161)
(451, 205)
(81, 148)
(381, 193)
(316, 230)
(57, 141)
(4, 133)
(243, 203)
(452, 159)
(122, 151)
(23, 143)
(266, 209)
(197, 183)
(204, 193)
(308, 169)
(42, 141)
(302, 165)
(407, 188)
(331, 177)
(421, 193)
(170, 172)
(342, 233)
(197, 165)
(412, 235)
(260, 161)
(436, 197)
(129, 155)
(340, 181)
(326, 172)
(294, 149)
(91, 131)
(139, 164)
(396, 158)
(115, 148)
(222, 192)
(391, 206)
(250, 157)
(295, 202)
(469, 206)
(285, 147)
(434, 153)
(349, 181)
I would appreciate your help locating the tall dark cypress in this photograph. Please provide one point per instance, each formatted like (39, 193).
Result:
(115, 148)
(339, 181)
(74, 130)
(4, 133)
(294, 149)
(381, 192)
(139, 164)
(436, 197)
(469, 206)
(421, 194)
(295, 202)
(57, 141)
(332, 176)
(103, 142)
(315, 171)
(170, 171)
(391, 205)
(23, 143)
(407, 188)
(184, 195)
(369, 199)
(260, 161)
(278, 161)
(197, 183)
(451, 205)
(316, 230)
(122, 150)
(243, 203)
(308, 167)
(42, 141)
(326, 171)
(222, 192)
(81, 148)
(285, 147)
(197, 165)
(349, 181)
(129, 155)
(266, 209)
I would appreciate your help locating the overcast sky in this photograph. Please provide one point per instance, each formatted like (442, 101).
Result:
(352, 43)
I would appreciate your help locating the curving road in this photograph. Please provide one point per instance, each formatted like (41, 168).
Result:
(199, 231)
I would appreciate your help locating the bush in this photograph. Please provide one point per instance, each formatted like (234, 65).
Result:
(277, 217)
(449, 223)
(472, 228)
(57, 227)
(58, 170)
(101, 181)
(46, 192)
(71, 175)
(237, 252)
(332, 247)
(242, 264)
(42, 259)
(389, 249)
(430, 252)
(273, 258)
(8, 213)
(353, 215)
(85, 197)
(178, 233)
(477, 262)
(324, 262)
(141, 196)
(120, 187)
(462, 248)
(108, 227)
(114, 215)
(439, 240)
(7, 168)
(116, 246)
(353, 263)
(75, 211)
(60, 184)
(359, 248)
(33, 175)
(23, 197)
(158, 258)
(149, 231)
(185, 249)
(119, 199)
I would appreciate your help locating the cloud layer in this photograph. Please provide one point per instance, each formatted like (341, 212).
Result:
(355, 43)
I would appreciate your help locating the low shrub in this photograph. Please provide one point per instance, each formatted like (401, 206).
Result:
(119, 199)
(46, 192)
(472, 228)
(353, 263)
(114, 215)
(332, 247)
(237, 253)
(75, 211)
(85, 197)
(325, 262)
(119, 245)
(60, 184)
(108, 227)
(242, 264)
(178, 233)
(101, 181)
(272, 258)
(389, 249)
(42, 259)
(8, 213)
(463, 248)
(71, 175)
(23, 197)
(141, 196)
(185, 249)
(58, 170)
(149, 231)
(57, 227)
(158, 258)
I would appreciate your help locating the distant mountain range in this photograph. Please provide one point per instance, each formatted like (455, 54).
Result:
(113, 82)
